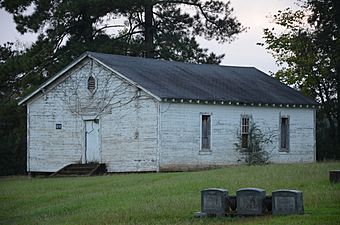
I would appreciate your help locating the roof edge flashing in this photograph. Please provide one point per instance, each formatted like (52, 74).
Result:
(239, 103)
(53, 78)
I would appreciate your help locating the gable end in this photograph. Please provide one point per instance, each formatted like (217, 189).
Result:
(43, 88)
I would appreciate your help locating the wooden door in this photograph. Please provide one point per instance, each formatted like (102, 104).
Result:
(92, 142)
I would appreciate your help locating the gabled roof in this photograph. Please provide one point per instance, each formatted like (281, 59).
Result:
(186, 81)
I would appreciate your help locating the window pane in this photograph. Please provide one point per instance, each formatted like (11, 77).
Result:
(245, 125)
(206, 130)
(244, 140)
(244, 131)
(284, 133)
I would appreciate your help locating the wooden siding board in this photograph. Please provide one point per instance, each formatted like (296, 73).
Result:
(50, 149)
(180, 130)
(146, 134)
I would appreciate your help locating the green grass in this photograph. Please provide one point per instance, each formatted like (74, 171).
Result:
(164, 198)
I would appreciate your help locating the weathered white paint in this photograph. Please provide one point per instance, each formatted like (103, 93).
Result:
(137, 132)
(92, 145)
(128, 125)
(54, 78)
(180, 134)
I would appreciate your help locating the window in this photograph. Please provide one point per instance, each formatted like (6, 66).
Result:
(245, 131)
(91, 84)
(206, 132)
(284, 138)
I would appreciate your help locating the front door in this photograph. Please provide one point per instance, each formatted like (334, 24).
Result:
(92, 146)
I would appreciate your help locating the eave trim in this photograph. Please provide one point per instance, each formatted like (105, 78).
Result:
(51, 80)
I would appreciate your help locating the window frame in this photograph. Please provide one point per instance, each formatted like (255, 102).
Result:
(95, 84)
(244, 117)
(202, 149)
(287, 135)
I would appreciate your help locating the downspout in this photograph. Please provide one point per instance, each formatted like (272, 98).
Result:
(28, 139)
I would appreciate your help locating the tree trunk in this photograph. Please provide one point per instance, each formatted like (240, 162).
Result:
(86, 29)
(337, 71)
(337, 130)
(148, 28)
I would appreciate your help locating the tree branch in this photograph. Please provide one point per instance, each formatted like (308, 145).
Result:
(106, 27)
(199, 6)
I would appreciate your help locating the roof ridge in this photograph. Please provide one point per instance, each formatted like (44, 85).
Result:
(167, 60)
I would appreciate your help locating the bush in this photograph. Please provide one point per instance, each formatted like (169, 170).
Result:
(255, 153)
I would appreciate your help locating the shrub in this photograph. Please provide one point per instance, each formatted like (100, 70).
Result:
(254, 153)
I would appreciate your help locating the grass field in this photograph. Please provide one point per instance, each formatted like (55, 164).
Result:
(163, 198)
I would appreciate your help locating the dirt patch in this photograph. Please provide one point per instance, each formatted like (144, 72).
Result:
(186, 168)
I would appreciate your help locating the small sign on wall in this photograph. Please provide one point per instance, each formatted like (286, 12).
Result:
(58, 126)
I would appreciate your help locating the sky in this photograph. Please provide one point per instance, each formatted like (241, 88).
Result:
(253, 14)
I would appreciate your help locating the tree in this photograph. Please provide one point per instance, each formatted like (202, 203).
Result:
(12, 119)
(308, 50)
(164, 29)
(151, 27)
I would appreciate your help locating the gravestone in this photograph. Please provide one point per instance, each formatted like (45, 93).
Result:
(286, 202)
(214, 201)
(334, 176)
(250, 201)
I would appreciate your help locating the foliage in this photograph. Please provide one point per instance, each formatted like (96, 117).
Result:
(164, 198)
(147, 28)
(152, 28)
(12, 118)
(255, 153)
(12, 138)
(308, 50)
(325, 144)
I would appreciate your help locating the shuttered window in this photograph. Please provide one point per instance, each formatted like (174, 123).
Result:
(91, 84)
(284, 137)
(206, 132)
(244, 131)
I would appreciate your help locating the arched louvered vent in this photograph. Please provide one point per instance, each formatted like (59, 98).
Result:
(91, 84)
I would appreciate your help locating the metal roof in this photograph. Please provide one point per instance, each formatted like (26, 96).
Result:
(177, 80)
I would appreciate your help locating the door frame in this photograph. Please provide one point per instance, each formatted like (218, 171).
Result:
(91, 118)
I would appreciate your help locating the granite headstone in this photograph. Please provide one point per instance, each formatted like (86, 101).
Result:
(286, 202)
(214, 201)
(250, 201)
(334, 176)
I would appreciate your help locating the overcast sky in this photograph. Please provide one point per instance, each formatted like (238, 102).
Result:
(254, 14)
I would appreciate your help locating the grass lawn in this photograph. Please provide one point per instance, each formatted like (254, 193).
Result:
(164, 198)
